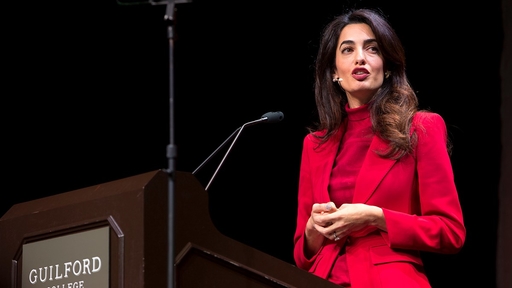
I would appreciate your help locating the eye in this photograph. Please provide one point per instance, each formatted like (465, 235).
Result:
(373, 49)
(346, 49)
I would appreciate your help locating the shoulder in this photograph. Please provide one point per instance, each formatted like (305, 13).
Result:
(429, 124)
(317, 140)
(425, 119)
(315, 136)
(425, 116)
(312, 139)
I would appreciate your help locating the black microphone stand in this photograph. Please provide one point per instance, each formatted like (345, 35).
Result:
(171, 148)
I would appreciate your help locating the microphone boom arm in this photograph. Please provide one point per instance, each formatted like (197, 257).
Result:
(269, 117)
(216, 150)
(231, 146)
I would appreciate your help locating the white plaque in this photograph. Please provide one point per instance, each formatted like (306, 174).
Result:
(78, 260)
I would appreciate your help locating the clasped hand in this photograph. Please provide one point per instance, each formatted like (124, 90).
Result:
(346, 220)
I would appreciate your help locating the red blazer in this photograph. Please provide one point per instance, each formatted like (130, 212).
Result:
(417, 194)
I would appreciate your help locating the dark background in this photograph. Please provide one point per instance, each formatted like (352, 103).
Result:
(86, 101)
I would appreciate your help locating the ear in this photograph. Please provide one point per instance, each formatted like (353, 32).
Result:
(334, 72)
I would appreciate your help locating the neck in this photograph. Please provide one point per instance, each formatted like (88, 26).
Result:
(355, 101)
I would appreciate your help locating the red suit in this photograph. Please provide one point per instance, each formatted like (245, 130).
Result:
(417, 194)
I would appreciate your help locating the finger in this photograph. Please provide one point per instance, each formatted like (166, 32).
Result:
(330, 207)
(315, 207)
(335, 237)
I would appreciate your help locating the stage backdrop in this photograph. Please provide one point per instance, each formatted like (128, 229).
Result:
(86, 101)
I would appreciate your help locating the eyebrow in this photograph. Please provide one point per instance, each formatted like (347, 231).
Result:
(371, 40)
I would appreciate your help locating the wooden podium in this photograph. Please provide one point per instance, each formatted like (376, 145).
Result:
(135, 211)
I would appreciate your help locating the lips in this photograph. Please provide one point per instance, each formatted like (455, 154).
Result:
(360, 74)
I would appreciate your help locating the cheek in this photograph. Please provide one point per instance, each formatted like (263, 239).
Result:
(378, 73)
(343, 66)
(377, 65)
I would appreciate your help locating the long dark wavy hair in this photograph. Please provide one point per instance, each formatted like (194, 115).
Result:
(395, 103)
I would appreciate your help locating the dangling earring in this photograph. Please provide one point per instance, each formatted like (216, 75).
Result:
(387, 74)
(337, 79)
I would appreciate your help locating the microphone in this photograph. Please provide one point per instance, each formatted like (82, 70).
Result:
(273, 117)
(269, 117)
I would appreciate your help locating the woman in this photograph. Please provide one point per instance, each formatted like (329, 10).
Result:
(376, 183)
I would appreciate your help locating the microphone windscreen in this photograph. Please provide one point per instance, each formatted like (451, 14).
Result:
(273, 117)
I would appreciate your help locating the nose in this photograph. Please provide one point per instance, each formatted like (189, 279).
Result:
(359, 56)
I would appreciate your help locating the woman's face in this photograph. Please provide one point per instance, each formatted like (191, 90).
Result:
(359, 63)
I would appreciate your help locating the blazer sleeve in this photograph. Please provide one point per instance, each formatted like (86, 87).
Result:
(305, 201)
(440, 227)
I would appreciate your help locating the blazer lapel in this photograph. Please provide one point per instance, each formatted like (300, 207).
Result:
(324, 161)
(372, 172)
